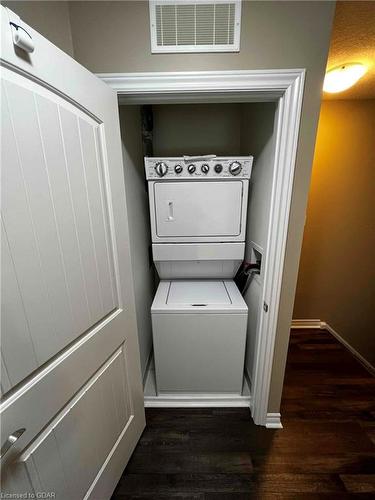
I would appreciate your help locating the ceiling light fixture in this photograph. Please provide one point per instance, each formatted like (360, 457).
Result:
(343, 77)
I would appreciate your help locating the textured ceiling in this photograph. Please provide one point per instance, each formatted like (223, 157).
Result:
(353, 40)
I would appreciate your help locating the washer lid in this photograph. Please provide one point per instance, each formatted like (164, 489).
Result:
(198, 293)
(198, 297)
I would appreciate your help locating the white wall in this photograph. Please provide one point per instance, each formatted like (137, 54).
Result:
(257, 138)
(139, 225)
(195, 129)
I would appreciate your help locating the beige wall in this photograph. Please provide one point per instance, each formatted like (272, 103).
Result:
(336, 281)
(196, 129)
(114, 37)
(51, 19)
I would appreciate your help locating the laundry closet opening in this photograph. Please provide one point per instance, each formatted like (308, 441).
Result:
(224, 129)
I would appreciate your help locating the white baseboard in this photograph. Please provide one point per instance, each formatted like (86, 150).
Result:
(355, 353)
(197, 401)
(273, 421)
(317, 323)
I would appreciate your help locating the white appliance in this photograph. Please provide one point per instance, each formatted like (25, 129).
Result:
(198, 221)
(199, 333)
(201, 204)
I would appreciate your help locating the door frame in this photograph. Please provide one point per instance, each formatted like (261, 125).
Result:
(285, 86)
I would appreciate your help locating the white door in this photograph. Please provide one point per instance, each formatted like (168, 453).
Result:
(72, 401)
(199, 211)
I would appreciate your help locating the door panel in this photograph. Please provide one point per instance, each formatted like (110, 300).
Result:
(67, 456)
(56, 170)
(21, 236)
(4, 381)
(17, 481)
(192, 209)
(42, 398)
(90, 140)
(17, 348)
(70, 359)
(45, 469)
(82, 219)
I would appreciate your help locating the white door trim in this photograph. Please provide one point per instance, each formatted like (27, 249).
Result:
(284, 86)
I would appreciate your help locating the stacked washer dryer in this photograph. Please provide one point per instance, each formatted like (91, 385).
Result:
(198, 209)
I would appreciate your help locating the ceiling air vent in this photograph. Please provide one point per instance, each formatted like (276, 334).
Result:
(195, 25)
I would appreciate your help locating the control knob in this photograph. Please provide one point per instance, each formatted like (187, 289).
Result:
(218, 168)
(191, 168)
(235, 168)
(205, 168)
(161, 168)
(178, 169)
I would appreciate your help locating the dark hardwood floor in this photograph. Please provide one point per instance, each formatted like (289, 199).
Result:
(325, 451)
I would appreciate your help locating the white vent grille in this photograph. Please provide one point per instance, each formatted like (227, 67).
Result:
(195, 25)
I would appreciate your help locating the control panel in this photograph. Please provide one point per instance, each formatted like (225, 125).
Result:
(198, 169)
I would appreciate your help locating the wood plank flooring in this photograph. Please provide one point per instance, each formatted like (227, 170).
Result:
(325, 451)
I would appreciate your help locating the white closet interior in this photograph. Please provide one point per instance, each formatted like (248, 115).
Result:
(192, 129)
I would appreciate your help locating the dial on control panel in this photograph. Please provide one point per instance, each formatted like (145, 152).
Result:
(205, 168)
(191, 168)
(235, 168)
(178, 169)
(161, 168)
(218, 168)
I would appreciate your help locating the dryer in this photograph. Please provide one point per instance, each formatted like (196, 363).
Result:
(198, 211)
(198, 214)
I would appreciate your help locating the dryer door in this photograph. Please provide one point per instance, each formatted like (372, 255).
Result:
(199, 211)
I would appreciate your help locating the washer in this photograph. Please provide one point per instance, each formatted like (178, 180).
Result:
(199, 334)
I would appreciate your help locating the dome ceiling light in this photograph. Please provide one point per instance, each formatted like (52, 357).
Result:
(343, 77)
